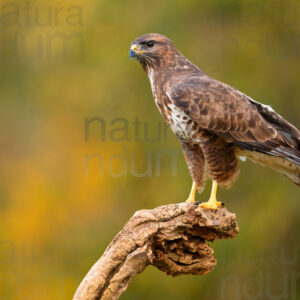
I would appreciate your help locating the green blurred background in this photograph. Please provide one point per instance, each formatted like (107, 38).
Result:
(65, 194)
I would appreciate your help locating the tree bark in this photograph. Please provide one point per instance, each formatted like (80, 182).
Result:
(170, 237)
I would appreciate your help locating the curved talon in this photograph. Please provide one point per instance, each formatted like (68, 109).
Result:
(191, 200)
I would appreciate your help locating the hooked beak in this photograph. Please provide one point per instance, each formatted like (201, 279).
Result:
(133, 51)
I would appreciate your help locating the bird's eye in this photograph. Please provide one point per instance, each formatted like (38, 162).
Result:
(150, 44)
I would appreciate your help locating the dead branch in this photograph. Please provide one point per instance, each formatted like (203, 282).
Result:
(171, 237)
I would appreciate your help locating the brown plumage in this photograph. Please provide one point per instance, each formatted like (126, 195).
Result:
(215, 122)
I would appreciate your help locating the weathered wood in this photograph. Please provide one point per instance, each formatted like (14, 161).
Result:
(171, 237)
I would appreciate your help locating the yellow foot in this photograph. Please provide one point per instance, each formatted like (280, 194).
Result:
(191, 198)
(211, 204)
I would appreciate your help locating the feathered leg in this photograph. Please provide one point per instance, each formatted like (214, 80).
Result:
(196, 164)
(222, 164)
(220, 158)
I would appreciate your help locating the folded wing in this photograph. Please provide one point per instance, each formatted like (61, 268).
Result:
(235, 117)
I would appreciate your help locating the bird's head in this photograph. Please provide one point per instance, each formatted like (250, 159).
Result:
(152, 50)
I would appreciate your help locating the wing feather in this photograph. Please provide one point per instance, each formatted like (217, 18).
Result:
(235, 117)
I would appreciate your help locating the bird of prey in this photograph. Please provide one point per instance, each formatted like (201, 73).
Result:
(215, 123)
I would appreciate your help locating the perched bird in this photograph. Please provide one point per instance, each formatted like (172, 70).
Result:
(214, 122)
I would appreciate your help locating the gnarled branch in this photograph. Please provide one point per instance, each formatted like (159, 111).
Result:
(171, 237)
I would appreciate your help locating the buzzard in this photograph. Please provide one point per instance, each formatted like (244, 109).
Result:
(215, 123)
